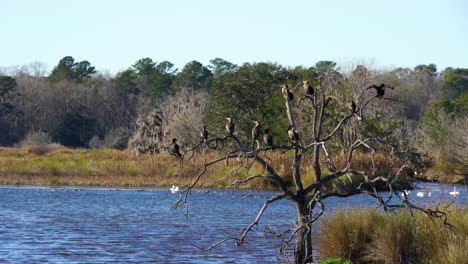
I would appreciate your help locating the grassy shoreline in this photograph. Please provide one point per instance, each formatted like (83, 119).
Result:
(372, 236)
(52, 165)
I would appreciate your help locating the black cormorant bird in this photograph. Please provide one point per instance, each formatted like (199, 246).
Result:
(293, 134)
(353, 107)
(287, 94)
(267, 138)
(204, 134)
(230, 126)
(380, 89)
(175, 149)
(308, 90)
(355, 110)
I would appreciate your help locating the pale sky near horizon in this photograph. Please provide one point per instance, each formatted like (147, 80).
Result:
(112, 35)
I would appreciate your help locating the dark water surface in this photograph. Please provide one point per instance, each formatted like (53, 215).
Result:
(72, 225)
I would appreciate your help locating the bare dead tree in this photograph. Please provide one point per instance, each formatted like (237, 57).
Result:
(183, 114)
(308, 200)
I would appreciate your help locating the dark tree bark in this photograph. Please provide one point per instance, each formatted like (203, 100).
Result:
(303, 244)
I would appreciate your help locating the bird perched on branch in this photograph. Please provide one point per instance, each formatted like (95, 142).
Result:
(308, 90)
(355, 110)
(230, 126)
(175, 149)
(287, 94)
(204, 134)
(380, 89)
(256, 130)
(267, 138)
(292, 133)
(353, 107)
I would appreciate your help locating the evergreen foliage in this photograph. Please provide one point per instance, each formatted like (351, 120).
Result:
(68, 69)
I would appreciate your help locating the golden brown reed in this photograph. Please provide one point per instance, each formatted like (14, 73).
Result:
(371, 236)
(58, 165)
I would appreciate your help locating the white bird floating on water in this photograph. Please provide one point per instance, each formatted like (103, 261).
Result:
(429, 194)
(174, 189)
(405, 192)
(420, 194)
(455, 193)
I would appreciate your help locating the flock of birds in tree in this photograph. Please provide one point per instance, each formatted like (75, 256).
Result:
(308, 90)
(292, 133)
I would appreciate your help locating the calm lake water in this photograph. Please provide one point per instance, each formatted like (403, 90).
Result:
(74, 225)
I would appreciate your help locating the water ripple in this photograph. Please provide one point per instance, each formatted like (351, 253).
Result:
(137, 226)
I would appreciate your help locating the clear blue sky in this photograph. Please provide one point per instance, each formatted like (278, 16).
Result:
(112, 35)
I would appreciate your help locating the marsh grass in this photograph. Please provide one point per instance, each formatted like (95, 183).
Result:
(336, 261)
(57, 165)
(346, 234)
(371, 236)
(447, 172)
(394, 240)
(107, 167)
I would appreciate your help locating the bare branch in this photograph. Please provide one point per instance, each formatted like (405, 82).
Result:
(289, 113)
(313, 144)
(246, 230)
(253, 177)
(359, 143)
(331, 166)
(184, 194)
(337, 127)
(285, 245)
(319, 214)
(216, 244)
(306, 97)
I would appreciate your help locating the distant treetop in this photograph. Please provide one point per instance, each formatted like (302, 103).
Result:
(68, 69)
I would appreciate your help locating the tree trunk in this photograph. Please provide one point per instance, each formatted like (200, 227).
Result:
(303, 244)
(316, 163)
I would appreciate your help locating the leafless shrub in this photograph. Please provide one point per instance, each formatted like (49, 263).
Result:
(180, 116)
(42, 149)
(149, 134)
(115, 139)
(36, 138)
(184, 114)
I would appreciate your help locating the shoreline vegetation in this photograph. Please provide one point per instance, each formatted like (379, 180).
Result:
(372, 236)
(56, 165)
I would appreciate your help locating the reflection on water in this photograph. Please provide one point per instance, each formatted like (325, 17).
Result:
(69, 225)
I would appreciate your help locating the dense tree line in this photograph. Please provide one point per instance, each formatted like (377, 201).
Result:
(77, 106)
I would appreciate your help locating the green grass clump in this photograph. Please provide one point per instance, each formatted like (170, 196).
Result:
(395, 240)
(346, 234)
(171, 171)
(336, 261)
(370, 236)
(133, 171)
